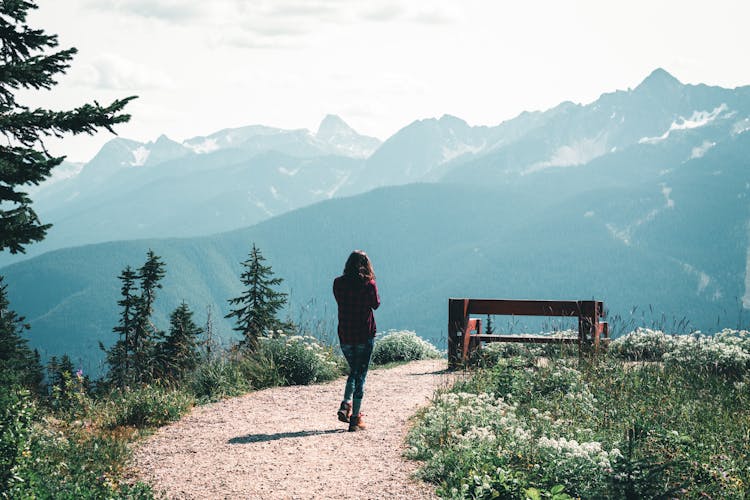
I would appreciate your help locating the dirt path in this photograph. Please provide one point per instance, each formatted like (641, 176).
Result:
(287, 443)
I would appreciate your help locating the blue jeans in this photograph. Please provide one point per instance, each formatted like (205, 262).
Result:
(358, 357)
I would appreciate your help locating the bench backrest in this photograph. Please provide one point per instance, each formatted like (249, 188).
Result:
(588, 313)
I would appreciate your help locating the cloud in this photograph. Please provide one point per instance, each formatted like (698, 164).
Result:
(173, 11)
(308, 9)
(278, 24)
(434, 15)
(383, 13)
(117, 73)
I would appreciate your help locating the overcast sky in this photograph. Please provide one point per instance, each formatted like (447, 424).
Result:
(200, 66)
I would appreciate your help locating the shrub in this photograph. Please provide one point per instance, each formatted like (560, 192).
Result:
(16, 416)
(74, 463)
(491, 354)
(148, 406)
(402, 346)
(292, 360)
(218, 378)
(703, 353)
(739, 338)
(643, 344)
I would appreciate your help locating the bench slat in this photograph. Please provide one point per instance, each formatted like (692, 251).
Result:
(532, 339)
(530, 307)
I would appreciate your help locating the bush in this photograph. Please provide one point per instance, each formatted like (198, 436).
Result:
(145, 407)
(703, 353)
(218, 378)
(16, 416)
(643, 344)
(402, 346)
(739, 338)
(292, 360)
(74, 463)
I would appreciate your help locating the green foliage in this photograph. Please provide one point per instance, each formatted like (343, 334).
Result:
(643, 344)
(29, 61)
(601, 428)
(137, 357)
(16, 416)
(72, 462)
(218, 377)
(68, 389)
(297, 360)
(18, 364)
(727, 352)
(258, 305)
(178, 353)
(148, 406)
(402, 345)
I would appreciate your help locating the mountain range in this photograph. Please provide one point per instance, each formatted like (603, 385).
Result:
(638, 199)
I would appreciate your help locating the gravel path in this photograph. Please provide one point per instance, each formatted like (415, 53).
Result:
(287, 443)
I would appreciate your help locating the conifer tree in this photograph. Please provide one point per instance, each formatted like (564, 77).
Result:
(145, 333)
(118, 357)
(29, 60)
(19, 365)
(63, 382)
(178, 353)
(58, 371)
(259, 303)
(133, 357)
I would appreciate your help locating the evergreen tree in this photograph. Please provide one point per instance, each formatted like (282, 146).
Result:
(63, 382)
(259, 303)
(178, 353)
(29, 60)
(132, 358)
(145, 333)
(19, 365)
(118, 357)
(489, 329)
(59, 371)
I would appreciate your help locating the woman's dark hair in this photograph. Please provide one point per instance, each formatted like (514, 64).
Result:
(358, 266)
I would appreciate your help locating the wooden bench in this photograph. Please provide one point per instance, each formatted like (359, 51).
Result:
(465, 333)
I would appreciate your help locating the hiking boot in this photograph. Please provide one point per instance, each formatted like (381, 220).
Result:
(357, 423)
(345, 411)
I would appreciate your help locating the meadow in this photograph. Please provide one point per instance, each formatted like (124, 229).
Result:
(656, 416)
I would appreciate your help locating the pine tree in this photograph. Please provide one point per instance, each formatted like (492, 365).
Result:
(145, 333)
(259, 303)
(62, 382)
(19, 365)
(178, 353)
(118, 357)
(29, 60)
(489, 329)
(133, 357)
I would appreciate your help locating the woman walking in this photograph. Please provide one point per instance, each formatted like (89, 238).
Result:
(357, 296)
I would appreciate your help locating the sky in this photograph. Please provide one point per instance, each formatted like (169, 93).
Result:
(199, 67)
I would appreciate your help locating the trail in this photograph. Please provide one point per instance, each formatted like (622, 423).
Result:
(287, 443)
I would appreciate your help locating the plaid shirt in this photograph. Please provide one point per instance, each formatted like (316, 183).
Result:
(356, 302)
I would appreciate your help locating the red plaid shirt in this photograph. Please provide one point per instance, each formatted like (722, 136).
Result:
(356, 302)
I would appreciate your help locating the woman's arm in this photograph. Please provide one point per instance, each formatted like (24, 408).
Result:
(374, 297)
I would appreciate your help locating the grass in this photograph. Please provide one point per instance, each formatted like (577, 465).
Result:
(606, 427)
